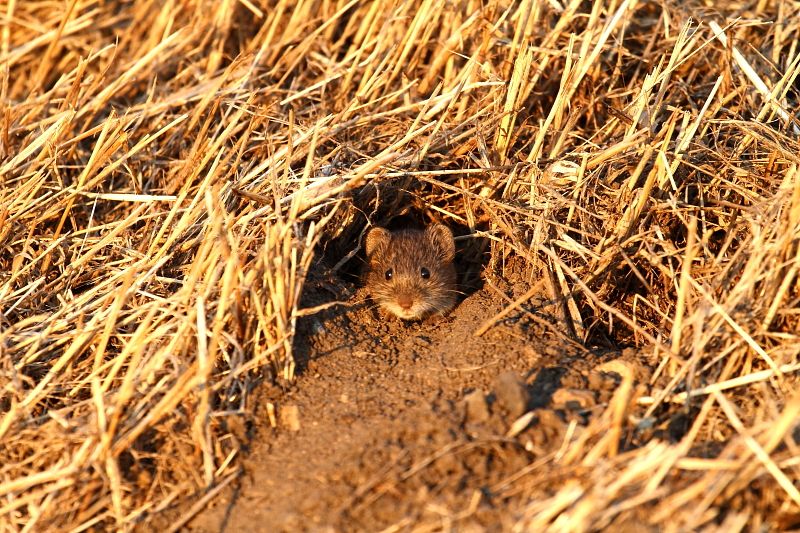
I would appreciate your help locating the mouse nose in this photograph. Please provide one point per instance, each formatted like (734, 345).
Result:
(405, 300)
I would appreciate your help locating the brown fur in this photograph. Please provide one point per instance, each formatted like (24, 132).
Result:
(406, 252)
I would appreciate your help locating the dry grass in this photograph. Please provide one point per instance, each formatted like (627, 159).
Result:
(168, 168)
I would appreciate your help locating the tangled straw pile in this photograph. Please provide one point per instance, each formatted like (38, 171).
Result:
(169, 168)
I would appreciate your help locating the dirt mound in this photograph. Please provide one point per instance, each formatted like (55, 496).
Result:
(396, 423)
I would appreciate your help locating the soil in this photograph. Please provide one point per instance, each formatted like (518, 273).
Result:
(392, 424)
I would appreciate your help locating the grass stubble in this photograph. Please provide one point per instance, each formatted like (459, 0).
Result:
(168, 169)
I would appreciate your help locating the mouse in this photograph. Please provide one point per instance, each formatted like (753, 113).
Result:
(410, 272)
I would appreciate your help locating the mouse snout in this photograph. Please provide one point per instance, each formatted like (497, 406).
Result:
(405, 300)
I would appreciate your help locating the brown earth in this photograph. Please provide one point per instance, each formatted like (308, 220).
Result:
(392, 424)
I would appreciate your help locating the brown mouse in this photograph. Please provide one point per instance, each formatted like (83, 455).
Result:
(411, 272)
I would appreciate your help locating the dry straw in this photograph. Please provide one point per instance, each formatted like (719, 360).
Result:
(167, 169)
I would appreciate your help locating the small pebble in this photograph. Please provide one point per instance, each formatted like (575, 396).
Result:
(477, 411)
(512, 394)
(290, 417)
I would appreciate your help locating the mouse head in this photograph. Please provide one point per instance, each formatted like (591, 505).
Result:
(411, 272)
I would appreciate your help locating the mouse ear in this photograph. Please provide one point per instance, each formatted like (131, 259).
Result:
(442, 238)
(377, 238)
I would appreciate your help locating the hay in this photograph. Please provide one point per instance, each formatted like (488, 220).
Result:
(169, 168)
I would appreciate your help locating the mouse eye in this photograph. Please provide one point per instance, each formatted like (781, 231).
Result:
(425, 273)
(389, 274)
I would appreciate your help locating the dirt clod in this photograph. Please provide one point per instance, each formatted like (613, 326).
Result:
(574, 398)
(511, 394)
(290, 417)
(477, 410)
